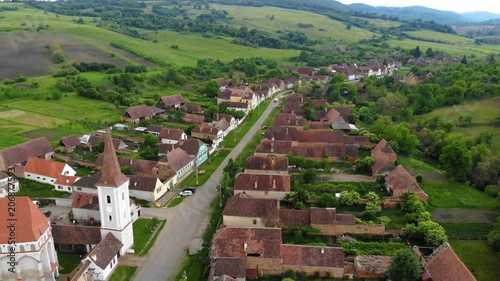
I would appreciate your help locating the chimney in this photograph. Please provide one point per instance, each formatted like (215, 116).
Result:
(245, 245)
(272, 145)
(131, 161)
(274, 183)
(322, 250)
(135, 183)
(255, 184)
(67, 180)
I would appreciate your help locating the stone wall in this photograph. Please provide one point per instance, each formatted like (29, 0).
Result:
(337, 229)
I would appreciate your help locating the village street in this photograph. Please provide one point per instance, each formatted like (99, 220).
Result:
(187, 221)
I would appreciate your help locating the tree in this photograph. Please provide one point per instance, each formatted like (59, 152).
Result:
(429, 53)
(432, 232)
(349, 197)
(464, 60)
(404, 266)
(150, 140)
(328, 200)
(364, 165)
(250, 69)
(464, 120)
(456, 158)
(232, 168)
(417, 53)
(309, 176)
(212, 89)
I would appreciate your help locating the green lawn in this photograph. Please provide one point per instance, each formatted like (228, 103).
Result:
(479, 258)
(68, 262)
(123, 273)
(467, 231)
(176, 201)
(439, 36)
(457, 195)
(398, 220)
(450, 49)
(415, 166)
(35, 189)
(143, 230)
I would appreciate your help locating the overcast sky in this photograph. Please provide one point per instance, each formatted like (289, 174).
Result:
(458, 6)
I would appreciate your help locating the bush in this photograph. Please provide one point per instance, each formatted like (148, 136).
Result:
(491, 190)
(419, 178)
(349, 197)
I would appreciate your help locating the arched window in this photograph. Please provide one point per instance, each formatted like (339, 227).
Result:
(108, 199)
(123, 195)
(21, 248)
(32, 247)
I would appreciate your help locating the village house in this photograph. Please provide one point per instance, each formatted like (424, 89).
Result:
(265, 91)
(193, 118)
(335, 119)
(7, 184)
(85, 207)
(18, 155)
(242, 210)
(253, 252)
(218, 117)
(223, 83)
(65, 183)
(263, 185)
(239, 106)
(273, 147)
(192, 108)
(154, 130)
(169, 103)
(34, 251)
(94, 140)
(195, 148)
(291, 81)
(278, 82)
(138, 113)
(257, 164)
(140, 167)
(289, 119)
(172, 136)
(384, 158)
(46, 171)
(214, 134)
(149, 188)
(399, 182)
(334, 153)
(179, 161)
(70, 143)
(76, 238)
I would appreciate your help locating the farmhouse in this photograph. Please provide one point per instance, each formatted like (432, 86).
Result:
(46, 171)
(172, 136)
(65, 183)
(289, 119)
(19, 154)
(384, 157)
(148, 188)
(399, 182)
(85, 207)
(195, 148)
(263, 186)
(266, 165)
(192, 108)
(260, 251)
(172, 102)
(179, 161)
(218, 117)
(193, 118)
(216, 135)
(138, 113)
(95, 140)
(70, 143)
(242, 210)
(34, 249)
(274, 147)
(444, 265)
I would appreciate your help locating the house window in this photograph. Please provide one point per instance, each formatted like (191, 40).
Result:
(32, 247)
(38, 177)
(69, 188)
(110, 218)
(108, 199)
(43, 178)
(29, 175)
(79, 188)
(254, 222)
(123, 195)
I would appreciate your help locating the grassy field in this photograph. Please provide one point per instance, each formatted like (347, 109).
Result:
(439, 36)
(143, 234)
(457, 195)
(191, 47)
(467, 231)
(35, 189)
(414, 165)
(285, 19)
(381, 22)
(68, 262)
(468, 48)
(483, 112)
(123, 273)
(479, 258)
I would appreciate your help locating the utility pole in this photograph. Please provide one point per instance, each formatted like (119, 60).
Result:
(196, 169)
(219, 187)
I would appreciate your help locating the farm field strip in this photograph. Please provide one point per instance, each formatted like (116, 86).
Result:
(445, 37)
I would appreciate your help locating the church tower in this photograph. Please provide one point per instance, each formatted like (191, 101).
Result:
(114, 203)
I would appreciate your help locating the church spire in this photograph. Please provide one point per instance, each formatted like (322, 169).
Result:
(111, 173)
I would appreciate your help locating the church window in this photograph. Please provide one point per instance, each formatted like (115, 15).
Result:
(108, 199)
(110, 218)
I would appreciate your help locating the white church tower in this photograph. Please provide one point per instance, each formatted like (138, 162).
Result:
(114, 203)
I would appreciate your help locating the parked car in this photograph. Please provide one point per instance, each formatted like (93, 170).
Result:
(47, 213)
(185, 193)
(192, 189)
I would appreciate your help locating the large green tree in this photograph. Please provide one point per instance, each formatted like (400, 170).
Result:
(456, 158)
(404, 267)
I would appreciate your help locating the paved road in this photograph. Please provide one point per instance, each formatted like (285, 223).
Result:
(188, 220)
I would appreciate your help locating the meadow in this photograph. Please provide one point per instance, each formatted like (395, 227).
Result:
(439, 36)
(285, 19)
(458, 195)
(468, 48)
(479, 258)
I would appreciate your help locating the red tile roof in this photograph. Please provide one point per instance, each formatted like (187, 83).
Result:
(292, 108)
(383, 146)
(233, 267)
(135, 165)
(314, 256)
(280, 183)
(22, 152)
(173, 100)
(289, 119)
(193, 118)
(206, 130)
(318, 152)
(321, 136)
(30, 222)
(399, 181)
(142, 183)
(445, 265)
(171, 134)
(330, 216)
(238, 242)
(281, 133)
(48, 168)
(139, 111)
(219, 116)
(241, 105)
(177, 158)
(274, 147)
(105, 251)
(76, 234)
(319, 125)
(66, 180)
(111, 173)
(86, 201)
(291, 218)
(191, 146)
(193, 108)
(270, 163)
(242, 205)
(70, 142)
(382, 163)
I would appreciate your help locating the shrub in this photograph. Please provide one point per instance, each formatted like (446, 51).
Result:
(419, 178)
(349, 197)
(491, 190)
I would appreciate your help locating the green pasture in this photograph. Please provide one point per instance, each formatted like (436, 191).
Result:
(439, 36)
(285, 19)
(458, 195)
(468, 48)
(479, 258)
(381, 22)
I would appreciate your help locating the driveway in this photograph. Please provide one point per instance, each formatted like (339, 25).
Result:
(187, 221)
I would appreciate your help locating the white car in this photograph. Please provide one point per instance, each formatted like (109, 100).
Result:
(185, 193)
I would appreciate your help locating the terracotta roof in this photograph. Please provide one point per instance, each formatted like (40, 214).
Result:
(276, 81)
(139, 111)
(382, 163)
(318, 103)
(292, 218)
(230, 242)
(163, 148)
(304, 70)
(105, 251)
(219, 116)
(223, 125)
(281, 133)
(177, 158)
(71, 141)
(315, 256)
(173, 100)
(206, 130)
(274, 147)
(357, 140)
(31, 223)
(280, 183)
(242, 205)
(400, 182)
(20, 153)
(289, 119)
(193, 118)
(48, 168)
(76, 234)
(295, 98)
(135, 165)
(193, 108)
(319, 125)
(331, 115)
(89, 181)
(321, 136)
(383, 146)
(230, 267)
(292, 108)
(171, 134)
(142, 183)
(237, 105)
(191, 146)
(223, 82)
(111, 173)
(224, 95)
(270, 163)
(225, 278)
(326, 150)
(95, 140)
(445, 265)
(66, 180)
(345, 112)
(86, 201)
(330, 216)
